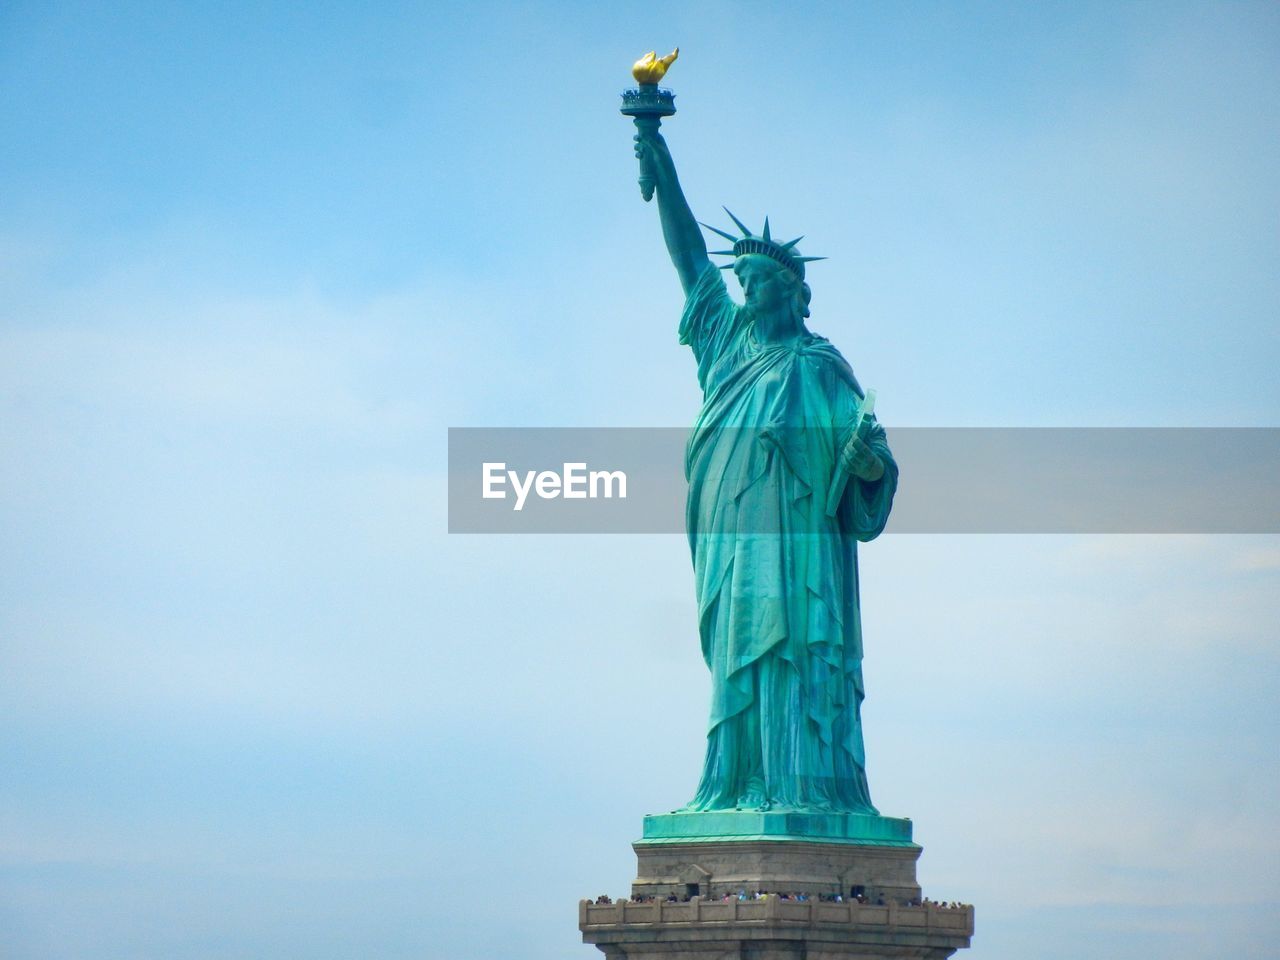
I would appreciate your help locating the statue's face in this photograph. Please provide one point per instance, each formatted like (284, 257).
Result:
(764, 285)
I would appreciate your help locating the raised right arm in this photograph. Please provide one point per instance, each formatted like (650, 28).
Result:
(684, 239)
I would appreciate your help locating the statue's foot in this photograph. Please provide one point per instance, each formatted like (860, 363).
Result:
(753, 797)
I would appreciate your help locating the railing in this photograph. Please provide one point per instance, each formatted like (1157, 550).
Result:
(927, 917)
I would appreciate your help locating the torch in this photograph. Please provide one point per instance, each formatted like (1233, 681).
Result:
(647, 104)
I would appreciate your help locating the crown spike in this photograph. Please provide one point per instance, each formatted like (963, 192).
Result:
(741, 226)
(765, 236)
(809, 259)
(728, 236)
(721, 253)
(726, 266)
(791, 243)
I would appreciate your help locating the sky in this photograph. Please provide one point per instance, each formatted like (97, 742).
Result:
(256, 259)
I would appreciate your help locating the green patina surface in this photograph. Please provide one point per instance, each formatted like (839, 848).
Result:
(777, 825)
(788, 470)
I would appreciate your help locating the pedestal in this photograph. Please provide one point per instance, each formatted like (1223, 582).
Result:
(700, 877)
(774, 929)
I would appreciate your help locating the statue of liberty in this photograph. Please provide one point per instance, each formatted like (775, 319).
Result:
(787, 470)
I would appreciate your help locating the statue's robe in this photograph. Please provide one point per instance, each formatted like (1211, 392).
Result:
(777, 579)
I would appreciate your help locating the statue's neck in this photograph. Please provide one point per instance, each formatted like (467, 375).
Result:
(779, 326)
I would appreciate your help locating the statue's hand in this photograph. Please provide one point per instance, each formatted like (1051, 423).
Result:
(859, 460)
(650, 143)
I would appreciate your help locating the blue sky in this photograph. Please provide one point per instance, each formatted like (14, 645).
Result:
(255, 259)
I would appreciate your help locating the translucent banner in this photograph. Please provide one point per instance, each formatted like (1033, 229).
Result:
(950, 480)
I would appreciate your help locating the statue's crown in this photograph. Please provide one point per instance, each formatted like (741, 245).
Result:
(783, 253)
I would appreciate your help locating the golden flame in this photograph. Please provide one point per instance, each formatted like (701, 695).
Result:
(651, 68)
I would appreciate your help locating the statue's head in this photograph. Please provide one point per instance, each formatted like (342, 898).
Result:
(769, 287)
(771, 273)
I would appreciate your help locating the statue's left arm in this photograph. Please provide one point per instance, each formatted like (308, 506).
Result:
(873, 480)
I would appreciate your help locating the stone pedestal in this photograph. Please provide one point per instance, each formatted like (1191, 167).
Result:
(774, 929)
(715, 868)
(715, 880)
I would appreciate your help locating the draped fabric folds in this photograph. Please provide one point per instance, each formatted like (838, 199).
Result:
(776, 579)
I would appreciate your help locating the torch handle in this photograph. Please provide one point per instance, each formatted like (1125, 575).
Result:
(647, 179)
